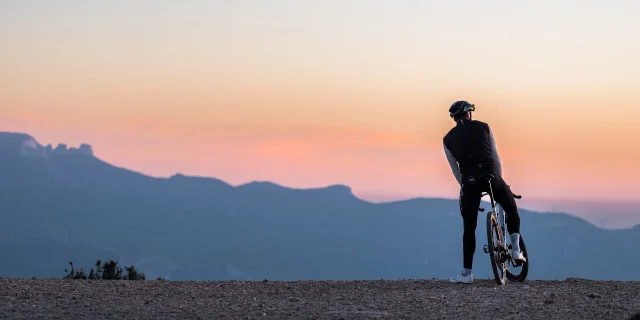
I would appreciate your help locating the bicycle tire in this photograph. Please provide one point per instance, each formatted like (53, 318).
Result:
(525, 266)
(492, 225)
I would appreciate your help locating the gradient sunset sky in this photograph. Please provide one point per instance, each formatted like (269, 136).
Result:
(313, 93)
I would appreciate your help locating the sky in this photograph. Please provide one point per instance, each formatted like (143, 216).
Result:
(314, 93)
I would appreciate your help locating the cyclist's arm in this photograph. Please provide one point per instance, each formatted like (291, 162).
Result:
(494, 150)
(454, 164)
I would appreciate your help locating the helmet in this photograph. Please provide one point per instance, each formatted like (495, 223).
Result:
(460, 107)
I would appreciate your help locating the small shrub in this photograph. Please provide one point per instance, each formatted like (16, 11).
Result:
(107, 270)
(132, 274)
(75, 274)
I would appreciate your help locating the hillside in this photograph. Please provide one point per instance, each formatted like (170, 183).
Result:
(66, 204)
(399, 299)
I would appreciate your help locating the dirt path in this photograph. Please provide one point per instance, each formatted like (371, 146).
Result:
(406, 299)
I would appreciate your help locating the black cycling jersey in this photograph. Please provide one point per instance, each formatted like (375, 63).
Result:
(471, 143)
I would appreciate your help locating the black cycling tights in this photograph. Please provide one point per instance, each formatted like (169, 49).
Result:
(470, 196)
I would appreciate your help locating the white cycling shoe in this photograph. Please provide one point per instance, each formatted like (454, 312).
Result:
(518, 256)
(462, 279)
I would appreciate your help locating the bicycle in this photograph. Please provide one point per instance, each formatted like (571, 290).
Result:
(500, 251)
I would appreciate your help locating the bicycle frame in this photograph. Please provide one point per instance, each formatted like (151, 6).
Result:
(499, 212)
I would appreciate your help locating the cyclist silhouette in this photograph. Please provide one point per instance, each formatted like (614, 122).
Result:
(471, 151)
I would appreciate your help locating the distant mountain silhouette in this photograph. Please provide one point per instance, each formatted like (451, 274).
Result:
(60, 204)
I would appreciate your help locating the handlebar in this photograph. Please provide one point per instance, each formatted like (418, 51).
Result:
(517, 196)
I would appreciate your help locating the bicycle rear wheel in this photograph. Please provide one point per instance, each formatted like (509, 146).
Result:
(495, 247)
(522, 275)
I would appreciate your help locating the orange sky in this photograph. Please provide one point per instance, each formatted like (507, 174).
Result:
(327, 92)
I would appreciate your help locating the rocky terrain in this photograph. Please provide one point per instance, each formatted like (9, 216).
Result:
(402, 299)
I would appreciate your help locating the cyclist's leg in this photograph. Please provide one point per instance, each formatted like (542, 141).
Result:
(507, 201)
(470, 196)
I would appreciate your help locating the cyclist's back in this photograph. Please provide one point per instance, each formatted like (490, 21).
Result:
(472, 145)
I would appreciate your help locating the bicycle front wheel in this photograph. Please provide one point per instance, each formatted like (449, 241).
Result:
(495, 247)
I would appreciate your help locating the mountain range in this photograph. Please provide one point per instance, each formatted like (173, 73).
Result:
(61, 204)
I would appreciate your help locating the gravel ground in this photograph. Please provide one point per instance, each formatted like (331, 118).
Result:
(389, 299)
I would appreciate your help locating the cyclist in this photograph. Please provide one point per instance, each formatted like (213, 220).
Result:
(471, 151)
